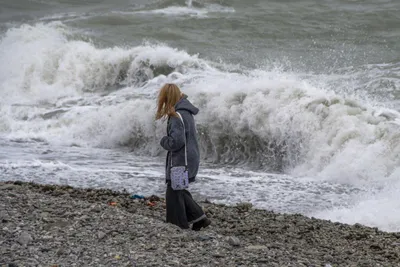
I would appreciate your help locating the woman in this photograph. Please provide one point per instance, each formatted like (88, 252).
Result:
(182, 210)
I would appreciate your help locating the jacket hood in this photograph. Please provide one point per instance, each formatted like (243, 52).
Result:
(185, 104)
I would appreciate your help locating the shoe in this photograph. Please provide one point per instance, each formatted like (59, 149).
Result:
(201, 224)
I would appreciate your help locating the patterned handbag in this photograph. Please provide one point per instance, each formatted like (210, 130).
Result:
(180, 174)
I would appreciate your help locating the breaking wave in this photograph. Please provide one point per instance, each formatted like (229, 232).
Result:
(59, 88)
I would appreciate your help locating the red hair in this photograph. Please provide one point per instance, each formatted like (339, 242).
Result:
(169, 95)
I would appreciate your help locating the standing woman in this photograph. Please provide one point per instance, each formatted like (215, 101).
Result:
(181, 144)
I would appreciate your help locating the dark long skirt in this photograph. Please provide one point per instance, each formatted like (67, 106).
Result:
(182, 210)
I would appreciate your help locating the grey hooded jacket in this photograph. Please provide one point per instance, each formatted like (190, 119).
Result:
(174, 142)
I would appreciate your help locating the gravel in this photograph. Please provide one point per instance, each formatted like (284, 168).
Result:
(48, 225)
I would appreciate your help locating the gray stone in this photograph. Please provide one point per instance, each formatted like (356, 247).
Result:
(301, 223)
(47, 237)
(244, 206)
(7, 186)
(84, 218)
(24, 238)
(142, 238)
(4, 216)
(45, 214)
(96, 209)
(61, 251)
(101, 235)
(218, 255)
(256, 247)
(61, 224)
(234, 241)
(203, 237)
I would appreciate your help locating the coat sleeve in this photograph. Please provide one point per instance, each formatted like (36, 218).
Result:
(175, 140)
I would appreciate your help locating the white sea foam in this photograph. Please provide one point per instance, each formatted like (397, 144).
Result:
(186, 11)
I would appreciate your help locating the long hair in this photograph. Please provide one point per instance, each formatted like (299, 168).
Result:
(167, 98)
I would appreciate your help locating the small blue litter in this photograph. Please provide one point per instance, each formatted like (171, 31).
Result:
(137, 197)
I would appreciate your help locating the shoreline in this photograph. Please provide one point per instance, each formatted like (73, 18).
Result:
(46, 225)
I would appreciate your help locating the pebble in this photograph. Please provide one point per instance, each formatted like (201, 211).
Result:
(7, 186)
(234, 241)
(256, 247)
(203, 237)
(24, 238)
(73, 233)
(3, 216)
(101, 235)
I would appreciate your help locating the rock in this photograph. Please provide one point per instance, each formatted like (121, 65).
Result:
(7, 187)
(328, 258)
(4, 216)
(234, 241)
(301, 223)
(15, 246)
(45, 214)
(44, 249)
(256, 247)
(174, 263)
(45, 217)
(60, 224)
(376, 246)
(96, 209)
(154, 198)
(24, 238)
(84, 218)
(101, 235)
(203, 237)
(142, 238)
(244, 207)
(61, 251)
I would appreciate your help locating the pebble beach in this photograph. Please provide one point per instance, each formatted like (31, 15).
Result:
(49, 225)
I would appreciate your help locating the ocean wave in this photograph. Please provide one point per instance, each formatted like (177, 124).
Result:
(50, 63)
(71, 92)
(196, 9)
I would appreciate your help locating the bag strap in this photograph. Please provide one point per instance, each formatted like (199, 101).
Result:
(184, 134)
